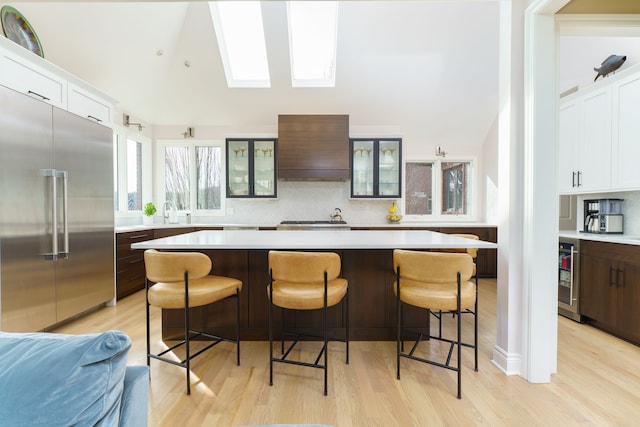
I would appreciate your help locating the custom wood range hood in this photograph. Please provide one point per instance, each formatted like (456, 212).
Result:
(313, 147)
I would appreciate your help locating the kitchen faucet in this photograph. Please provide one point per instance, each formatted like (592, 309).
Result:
(165, 214)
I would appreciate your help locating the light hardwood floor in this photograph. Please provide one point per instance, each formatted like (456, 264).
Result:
(597, 384)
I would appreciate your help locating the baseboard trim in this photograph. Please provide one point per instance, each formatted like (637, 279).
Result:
(509, 363)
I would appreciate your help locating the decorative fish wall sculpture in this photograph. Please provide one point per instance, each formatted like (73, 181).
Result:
(609, 65)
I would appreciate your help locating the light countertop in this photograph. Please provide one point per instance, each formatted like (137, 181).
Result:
(627, 239)
(312, 239)
(127, 228)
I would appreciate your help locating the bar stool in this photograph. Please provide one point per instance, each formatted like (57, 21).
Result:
(305, 281)
(473, 252)
(182, 282)
(435, 281)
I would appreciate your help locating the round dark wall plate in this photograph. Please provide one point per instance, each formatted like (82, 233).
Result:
(17, 29)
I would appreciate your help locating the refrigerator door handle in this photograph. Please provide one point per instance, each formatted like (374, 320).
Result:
(50, 174)
(65, 217)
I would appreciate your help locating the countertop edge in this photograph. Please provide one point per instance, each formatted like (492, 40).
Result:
(624, 239)
(140, 227)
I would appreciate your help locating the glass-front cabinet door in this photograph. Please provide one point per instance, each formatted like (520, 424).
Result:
(251, 167)
(375, 167)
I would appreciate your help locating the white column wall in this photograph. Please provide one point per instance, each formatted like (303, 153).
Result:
(507, 351)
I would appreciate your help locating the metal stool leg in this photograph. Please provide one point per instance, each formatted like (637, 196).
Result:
(271, 333)
(399, 320)
(347, 331)
(238, 326)
(146, 285)
(186, 331)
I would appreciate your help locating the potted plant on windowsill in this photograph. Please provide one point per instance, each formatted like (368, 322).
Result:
(149, 211)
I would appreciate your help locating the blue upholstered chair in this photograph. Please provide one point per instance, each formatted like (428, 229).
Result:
(52, 380)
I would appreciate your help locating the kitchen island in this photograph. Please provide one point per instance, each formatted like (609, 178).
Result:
(367, 263)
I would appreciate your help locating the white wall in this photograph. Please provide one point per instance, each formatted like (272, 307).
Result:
(579, 55)
(489, 175)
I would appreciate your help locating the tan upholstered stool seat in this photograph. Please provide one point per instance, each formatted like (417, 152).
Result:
(308, 296)
(440, 295)
(436, 281)
(201, 291)
(297, 281)
(182, 281)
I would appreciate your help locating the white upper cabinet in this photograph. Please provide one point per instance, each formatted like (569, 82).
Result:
(626, 137)
(88, 105)
(585, 143)
(568, 151)
(32, 80)
(28, 73)
(595, 146)
(599, 136)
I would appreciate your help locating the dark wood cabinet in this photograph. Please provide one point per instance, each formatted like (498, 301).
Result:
(168, 232)
(372, 303)
(130, 271)
(313, 147)
(610, 287)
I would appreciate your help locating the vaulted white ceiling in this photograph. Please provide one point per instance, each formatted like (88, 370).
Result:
(431, 64)
(398, 62)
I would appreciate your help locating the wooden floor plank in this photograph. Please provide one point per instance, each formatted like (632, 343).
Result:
(597, 384)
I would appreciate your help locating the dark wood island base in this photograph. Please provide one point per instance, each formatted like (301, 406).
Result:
(372, 302)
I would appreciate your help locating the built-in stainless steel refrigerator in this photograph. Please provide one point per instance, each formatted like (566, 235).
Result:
(56, 214)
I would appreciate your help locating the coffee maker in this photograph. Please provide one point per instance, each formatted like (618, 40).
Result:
(603, 216)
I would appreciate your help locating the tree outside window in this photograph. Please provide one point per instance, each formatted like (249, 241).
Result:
(134, 175)
(209, 177)
(454, 188)
(193, 175)
(176, 176)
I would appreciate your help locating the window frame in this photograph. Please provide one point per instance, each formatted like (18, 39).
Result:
(193, 188)
(437, 189)
(120, 175)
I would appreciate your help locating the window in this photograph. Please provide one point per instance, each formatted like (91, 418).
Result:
(209, 177)
(313, 29)
(131, 157)
(176, 177)
(419, 184)
(439, 189)
(134, 175)
(240, 34)
(191, 175)
(454, 188)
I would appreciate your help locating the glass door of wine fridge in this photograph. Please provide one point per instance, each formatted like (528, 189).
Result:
(569, 279)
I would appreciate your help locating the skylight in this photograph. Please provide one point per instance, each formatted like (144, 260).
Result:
(313, 28)
(240, 34)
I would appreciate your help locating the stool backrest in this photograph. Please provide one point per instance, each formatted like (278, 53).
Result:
(171, 266)
(303, 267)
(434, 267)
(471, 251)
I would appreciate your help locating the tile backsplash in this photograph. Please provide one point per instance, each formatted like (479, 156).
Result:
(307, 200)
(297, 200)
